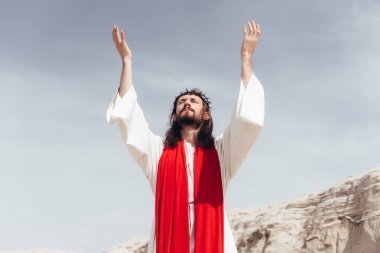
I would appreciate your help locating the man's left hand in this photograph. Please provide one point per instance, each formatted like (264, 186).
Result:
(250, 39)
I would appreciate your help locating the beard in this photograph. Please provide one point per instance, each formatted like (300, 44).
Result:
(189, 120)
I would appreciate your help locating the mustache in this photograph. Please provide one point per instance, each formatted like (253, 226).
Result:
(186, 109)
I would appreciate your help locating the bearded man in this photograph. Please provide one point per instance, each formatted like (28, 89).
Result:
(189, 170)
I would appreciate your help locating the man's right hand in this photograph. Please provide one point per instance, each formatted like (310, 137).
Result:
(121, 44)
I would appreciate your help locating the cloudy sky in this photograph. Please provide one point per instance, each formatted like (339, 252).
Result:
(66, 179)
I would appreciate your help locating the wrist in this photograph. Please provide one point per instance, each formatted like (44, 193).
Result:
(126, 61)
(246, 57)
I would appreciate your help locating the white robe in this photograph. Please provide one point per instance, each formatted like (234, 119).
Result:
(232, 146)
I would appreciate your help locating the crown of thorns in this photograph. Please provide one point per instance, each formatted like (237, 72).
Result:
(196, 92)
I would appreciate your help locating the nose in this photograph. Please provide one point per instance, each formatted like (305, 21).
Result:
(186, 103)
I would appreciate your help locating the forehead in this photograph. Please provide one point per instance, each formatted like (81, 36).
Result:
(191, 96)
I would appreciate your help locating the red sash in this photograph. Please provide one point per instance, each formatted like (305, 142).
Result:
(171, 207)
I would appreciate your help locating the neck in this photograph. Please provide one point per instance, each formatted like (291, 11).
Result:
(189, 134)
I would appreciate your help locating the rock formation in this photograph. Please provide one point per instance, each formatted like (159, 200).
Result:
(135, 245)
(341, 219)
(35, 251)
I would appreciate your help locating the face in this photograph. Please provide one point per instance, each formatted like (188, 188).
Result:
(189, 110)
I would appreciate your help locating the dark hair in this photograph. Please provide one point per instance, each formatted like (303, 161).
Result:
(204, 137)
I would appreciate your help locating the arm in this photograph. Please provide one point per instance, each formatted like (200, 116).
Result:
(143, 145)
(247, 48)
(126, 58)
(248, 115)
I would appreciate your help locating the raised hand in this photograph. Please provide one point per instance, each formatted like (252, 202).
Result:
(121, 44)
(250, 39)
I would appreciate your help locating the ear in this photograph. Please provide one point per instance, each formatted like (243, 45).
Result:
(206, 116)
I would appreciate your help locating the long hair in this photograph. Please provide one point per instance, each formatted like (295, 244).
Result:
(204, 137)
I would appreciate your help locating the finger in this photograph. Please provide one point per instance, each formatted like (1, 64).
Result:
(244, 30)
(258, 29)
(122, 36)
(113, 32)
(250, 27)
(117, 34)
(253, 26)
(114, 36)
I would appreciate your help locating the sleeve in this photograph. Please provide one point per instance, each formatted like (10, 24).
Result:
(245, 125)
(144, 146)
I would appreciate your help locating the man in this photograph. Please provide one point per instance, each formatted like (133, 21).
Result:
(189, 169)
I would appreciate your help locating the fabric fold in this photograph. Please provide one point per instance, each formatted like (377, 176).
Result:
(171, 207)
